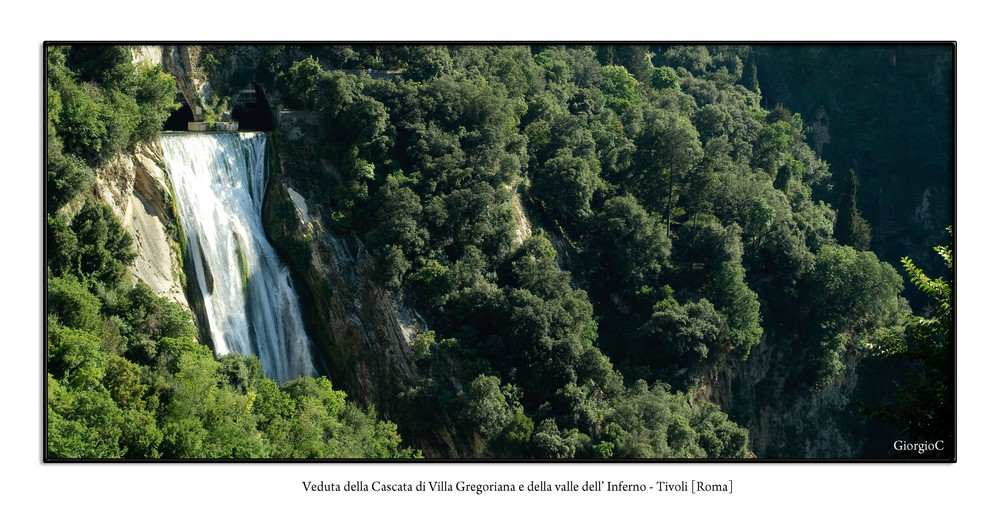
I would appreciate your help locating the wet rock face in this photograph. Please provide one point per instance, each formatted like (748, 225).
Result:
(364, 334)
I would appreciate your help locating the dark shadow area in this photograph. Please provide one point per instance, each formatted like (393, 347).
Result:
(252, 111)
(178, 120)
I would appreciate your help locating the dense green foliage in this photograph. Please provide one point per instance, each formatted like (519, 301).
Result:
(126, 377)
(675, 228)
(924, 406)
(677, 238)
(98, 104)
(885, 112)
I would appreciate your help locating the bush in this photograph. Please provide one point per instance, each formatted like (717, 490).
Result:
(72, 305)
(105, 247)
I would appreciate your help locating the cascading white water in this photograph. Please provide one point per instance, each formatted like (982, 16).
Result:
(220, 180)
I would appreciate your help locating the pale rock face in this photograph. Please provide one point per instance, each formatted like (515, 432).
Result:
(300, 204)
(181, 62)
(771, 425)
(522, 229)
(135, 187)
(152, 55)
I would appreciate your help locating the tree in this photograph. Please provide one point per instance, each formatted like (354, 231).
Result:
(153, 90)
(850, 228)
(760, 217)
(621, 88)
(749, 79)
(678, 337)
(549, 441)
(629, 247)
(300, 81)
(666, 150)
(426, 62)
(556, 70)
(665, 78)
(850, 295)
(105, 246)
(925, 404)
(81, 122)
(485, 406)
(398, 235)
(567, 183)
(67, 175)
(82, 424)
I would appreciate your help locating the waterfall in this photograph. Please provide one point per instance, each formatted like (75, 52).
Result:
(220, 180)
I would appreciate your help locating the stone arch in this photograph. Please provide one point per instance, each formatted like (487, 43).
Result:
(252, 110)
(178, 120)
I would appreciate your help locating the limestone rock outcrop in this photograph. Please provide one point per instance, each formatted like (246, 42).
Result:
(137, 189)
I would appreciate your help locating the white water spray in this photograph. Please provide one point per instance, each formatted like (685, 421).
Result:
(220, 180)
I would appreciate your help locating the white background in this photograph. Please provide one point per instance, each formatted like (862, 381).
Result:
(27, 25)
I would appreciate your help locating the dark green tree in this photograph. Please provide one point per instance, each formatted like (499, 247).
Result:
(850, 296)
(105, 246)
(485, 406)
(749, 78)
(300, 82)
(67, 175)
(425, 62)
(567, 183)
(850, 228)
(666, 150)
(924, 405)
(678, 337)
(630, 248)
(62, 247)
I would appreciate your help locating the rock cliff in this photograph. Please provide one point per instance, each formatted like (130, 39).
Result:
(138, 190)
(783, 420)
(182, 63)
(364, 334)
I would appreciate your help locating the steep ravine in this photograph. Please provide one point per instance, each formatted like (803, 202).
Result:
(364, 334)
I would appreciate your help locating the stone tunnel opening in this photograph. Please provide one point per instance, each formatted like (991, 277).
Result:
(178, 120)
(252, 111)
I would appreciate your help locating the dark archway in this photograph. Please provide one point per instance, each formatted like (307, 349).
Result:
(252, 111)
(178, 120)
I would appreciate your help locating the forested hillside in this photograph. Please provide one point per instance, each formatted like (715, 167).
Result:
(126, 377)
(885, 112)
(617, 251)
